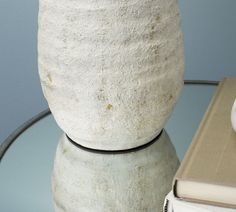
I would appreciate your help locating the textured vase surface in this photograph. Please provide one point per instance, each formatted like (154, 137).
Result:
(133, 182)
(111, 71)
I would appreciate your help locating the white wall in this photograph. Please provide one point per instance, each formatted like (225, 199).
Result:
(210, 45)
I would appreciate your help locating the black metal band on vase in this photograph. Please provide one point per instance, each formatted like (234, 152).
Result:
(113, 152)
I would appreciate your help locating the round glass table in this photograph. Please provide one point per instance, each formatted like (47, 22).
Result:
(27, 155)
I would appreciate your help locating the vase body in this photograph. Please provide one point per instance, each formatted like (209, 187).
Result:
(133, 182)
(111, 71)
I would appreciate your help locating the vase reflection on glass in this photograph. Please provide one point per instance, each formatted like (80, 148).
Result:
(133, 181)
(111, 72)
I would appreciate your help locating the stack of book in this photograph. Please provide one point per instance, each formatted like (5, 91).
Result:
(206, 179)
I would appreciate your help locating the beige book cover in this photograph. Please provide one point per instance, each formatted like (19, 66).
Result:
(208, 171)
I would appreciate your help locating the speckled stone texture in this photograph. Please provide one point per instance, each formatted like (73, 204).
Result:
(133, 182)
(111, 70)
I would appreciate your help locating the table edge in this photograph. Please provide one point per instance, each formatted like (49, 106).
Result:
(18, 131)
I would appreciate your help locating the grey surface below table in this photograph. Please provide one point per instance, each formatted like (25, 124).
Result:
(25, 170)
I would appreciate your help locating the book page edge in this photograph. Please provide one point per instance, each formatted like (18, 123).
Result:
(220, 195)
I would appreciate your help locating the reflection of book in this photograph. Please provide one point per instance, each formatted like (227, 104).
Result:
(208, 171)
(173, 204)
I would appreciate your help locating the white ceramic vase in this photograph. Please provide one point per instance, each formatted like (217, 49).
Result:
(111, 71)
(132, 182)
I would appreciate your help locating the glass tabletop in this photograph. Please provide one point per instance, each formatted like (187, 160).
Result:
(25, 169)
